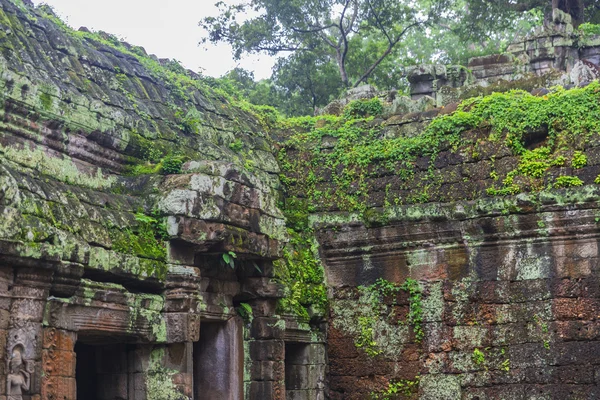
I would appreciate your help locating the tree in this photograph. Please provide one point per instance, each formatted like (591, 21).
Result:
(306, 81)
(317, 26)
(499, 13)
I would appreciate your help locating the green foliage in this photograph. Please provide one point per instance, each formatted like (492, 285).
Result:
(588, 29)
(505, 365)
(478, 357)
(146, 239)
(236, 145)
(245, 311)
(189, 121)
(533, 164)
(403, 388)
(46, 100)
(229, 258)
(567, 181)
(172, 164)
(305, 81)
(415, 315)
(365, 340)
(538, 130)
(579, 160)
(301, 273)
(363, 108)
(324, 29)
(376, 293)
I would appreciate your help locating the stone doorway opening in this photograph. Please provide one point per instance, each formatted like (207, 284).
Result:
(85, 371)
(304, 371)
(219, 361)
(101, 371)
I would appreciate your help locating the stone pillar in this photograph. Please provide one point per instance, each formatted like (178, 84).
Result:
(6, 280)
(24, 345)
(305, 367)
(268, 368)
(266, 349)
(181, 313)
(58, 362)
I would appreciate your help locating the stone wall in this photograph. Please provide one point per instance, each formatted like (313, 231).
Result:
(509, 302)
(460, 263)
(138, 205)
(146, 221)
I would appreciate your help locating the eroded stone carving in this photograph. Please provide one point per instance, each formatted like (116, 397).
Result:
(19, 376)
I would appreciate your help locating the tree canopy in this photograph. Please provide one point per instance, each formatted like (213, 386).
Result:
(326, 46)
(328, 26)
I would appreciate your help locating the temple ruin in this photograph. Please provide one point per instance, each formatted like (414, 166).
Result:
(159, 241)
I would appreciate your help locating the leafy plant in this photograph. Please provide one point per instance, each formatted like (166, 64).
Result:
(190, 120)
(172, 164)
(245, 311)
(567, 181)
(236, 145)
(301, 272)
(415, 315)
(365, 339)
(363, 108)
(579, 160)
(404, 387)
(588, 29)
(229, 258)
(478, 357)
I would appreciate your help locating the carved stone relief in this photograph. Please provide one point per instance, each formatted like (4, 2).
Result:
(19, 374)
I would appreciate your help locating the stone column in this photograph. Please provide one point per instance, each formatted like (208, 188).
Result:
(58, 362)
(6, 280)
(24, 344)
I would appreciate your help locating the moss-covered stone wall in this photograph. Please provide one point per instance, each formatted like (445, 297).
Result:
(137, 204)
(461, 256)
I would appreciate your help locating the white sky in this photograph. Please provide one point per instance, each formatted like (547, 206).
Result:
(168, 29)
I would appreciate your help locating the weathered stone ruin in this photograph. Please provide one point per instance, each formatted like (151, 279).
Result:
(95, 305)
(160, 241)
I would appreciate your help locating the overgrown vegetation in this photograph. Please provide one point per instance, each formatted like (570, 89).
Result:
(541, 131)
(301, 272)
(146, 239)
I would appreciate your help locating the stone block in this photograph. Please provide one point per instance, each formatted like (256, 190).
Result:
(342, 348)
(571, 308)
(436, 387)
(265, 328)
(267, 350)
(27, 309)
(58, 387)
(313, 353)
(58, 339)
(297, 377)
(267, 371)
(179, 357)
(267, 390)
(304, 394)
(182, 327)
(58, 363)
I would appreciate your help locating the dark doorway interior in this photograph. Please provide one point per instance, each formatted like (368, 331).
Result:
(102, 371)
(86, 375)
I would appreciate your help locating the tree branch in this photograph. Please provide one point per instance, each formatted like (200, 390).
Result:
(389, 49)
